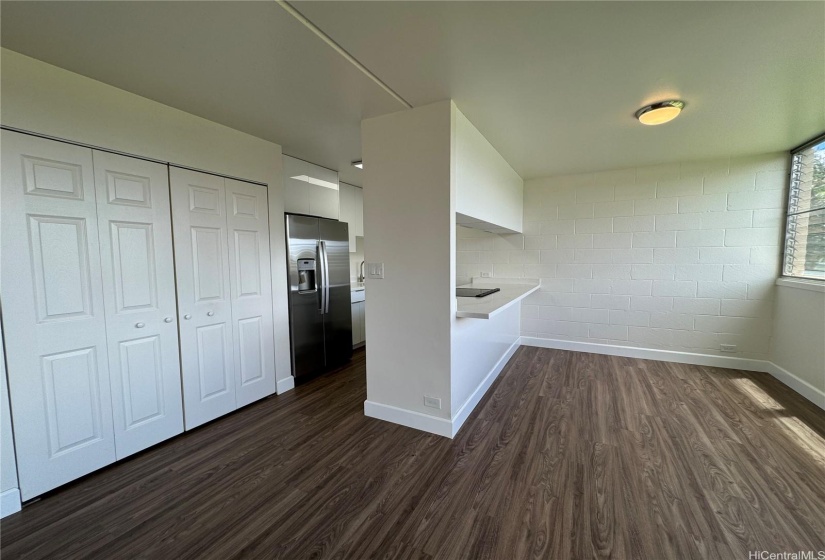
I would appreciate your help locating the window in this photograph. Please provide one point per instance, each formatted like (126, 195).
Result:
(805, 231)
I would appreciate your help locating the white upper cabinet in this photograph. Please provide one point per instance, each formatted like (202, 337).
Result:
(310, 189)
(352, 212)
(359, 212)
(489, 194)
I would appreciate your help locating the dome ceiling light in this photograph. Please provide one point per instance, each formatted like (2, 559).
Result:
(661, 112)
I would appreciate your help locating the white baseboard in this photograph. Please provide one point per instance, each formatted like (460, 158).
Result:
(433, 424)
(802, 387)
(449, 428)
(409, 418)
(469, 405)
(10, 502)
(649, 353)
(285, 384)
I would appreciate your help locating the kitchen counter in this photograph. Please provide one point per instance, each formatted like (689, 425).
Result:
(512, 292)
(356, 286)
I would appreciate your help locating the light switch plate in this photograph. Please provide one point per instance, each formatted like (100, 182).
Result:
(375, 270)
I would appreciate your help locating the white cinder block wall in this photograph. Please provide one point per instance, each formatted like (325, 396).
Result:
(677, 257)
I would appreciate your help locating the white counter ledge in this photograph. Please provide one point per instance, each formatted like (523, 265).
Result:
(512, 292)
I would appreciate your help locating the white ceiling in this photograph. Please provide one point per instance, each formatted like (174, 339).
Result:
(552, 85)
(247, 65)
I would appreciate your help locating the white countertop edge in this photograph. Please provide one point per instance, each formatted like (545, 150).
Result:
(473, 314)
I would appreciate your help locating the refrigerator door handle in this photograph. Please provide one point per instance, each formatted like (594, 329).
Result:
(325, 260)
(321, 283)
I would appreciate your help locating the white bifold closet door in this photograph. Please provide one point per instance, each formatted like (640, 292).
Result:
(87, 283)
(251, 291)
(135, 228)
(221, 235)
(53, 313)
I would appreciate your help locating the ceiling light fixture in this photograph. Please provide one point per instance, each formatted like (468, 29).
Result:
(359, 164)
(661, 112)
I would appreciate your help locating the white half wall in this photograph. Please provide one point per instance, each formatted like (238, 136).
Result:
(48, 100)
(481, 349)
(799, 337)
(409, 226)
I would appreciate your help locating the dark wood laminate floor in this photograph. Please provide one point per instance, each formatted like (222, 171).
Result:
(570, 455)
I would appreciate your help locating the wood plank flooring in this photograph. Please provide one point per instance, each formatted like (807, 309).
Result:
(570, 455)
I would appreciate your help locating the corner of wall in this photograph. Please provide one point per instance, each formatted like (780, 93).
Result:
(10, 502)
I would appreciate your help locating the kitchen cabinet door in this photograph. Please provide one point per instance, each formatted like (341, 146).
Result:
(359, 212)
(54, 320)
(347, 198)
(296, 196)
(364, 321)
(323, 201)
(250, 291)
(346, 201)
(357, 323)
(134, 221)
(204, 300)
(310, 189)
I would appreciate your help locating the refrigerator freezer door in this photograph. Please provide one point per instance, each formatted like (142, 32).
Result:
(338, 318)
(306, 322)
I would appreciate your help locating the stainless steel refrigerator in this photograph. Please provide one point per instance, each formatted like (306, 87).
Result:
(320, 314)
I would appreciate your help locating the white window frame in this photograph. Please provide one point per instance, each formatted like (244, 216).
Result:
(788, 238)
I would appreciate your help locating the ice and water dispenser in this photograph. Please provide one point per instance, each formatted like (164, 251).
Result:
(306, 275)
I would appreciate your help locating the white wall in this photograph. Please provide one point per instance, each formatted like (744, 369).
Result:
(48, 100)
(481, 348)
(799, 338)
(9, 489)
(499, 255)
(409, 215)
(677, 257)
(487, 188)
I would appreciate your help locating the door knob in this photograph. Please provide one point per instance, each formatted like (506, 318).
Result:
(167, 320)
(210, 313)
(140, 325)
(187, 316)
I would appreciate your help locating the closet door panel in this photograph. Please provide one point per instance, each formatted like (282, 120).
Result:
(53, 312)
(199, 206)
(251, 290)
(134, 221)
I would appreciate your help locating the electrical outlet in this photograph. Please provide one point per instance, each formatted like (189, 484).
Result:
(375, 270)
(432, 402)
(728, 348)
(486, 275)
